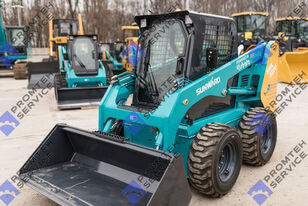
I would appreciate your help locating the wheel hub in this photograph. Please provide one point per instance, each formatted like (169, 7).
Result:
(226, 162)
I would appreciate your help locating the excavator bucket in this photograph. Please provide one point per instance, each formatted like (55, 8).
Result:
(37, 71)
(78, 97)
(77, 167)
(293, 64)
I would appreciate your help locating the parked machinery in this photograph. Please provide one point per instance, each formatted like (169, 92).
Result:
(82, 80)
(251, 28)
(59, 31)
(197, 111)
(14, 50)
(294, 50)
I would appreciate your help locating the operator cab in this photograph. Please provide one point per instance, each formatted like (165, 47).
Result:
(65, 27)
(18, 38)
(83, 54)
(251, 27)
(178, 45)
(296, 29)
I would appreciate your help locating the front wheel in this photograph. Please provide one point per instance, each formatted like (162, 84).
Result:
(215, 159)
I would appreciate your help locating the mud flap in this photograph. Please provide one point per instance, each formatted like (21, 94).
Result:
(293, 64)
(77, 167)
(37, 71)
(78, 97)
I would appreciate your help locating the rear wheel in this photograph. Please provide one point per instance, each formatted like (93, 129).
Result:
(258, 129)
(59, 82)
(215, 159)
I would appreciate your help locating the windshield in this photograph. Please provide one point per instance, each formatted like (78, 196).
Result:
(302, 28)
(131, 33)
(84, 55)
(286, 26)
(105, 47)
(255, 24)
(16, 36)
(159, 54)
(67, 28)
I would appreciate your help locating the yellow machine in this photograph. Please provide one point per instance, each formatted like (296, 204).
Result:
(251, 28)
(130, 36)
(59, 32)
(293, 59)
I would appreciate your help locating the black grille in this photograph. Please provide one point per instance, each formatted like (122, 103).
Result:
(244, 80)
(221, 38)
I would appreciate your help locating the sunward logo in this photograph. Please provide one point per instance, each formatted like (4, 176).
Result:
(133, 192)
(260, 128)
(260, 192)
(8, 123)
(133, 123)
(8, 192)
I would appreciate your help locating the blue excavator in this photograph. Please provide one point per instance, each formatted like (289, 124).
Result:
(14, 50)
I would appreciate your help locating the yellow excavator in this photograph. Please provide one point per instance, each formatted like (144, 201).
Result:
(59, 32)
(130, 37)
(293, 59)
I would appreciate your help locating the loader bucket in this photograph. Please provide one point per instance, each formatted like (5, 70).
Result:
(77, 167)
(293, 64)
(78, 97)
(37, 71)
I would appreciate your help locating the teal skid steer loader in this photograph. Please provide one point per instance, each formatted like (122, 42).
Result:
(192, 110)
(110, 59)
(82, 80)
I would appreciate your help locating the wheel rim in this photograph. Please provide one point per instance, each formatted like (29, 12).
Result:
(227, 161)
(267, 139)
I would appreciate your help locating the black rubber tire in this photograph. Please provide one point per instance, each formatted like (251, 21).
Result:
(204, 158)
(254, 152)
(59, 82)
(118, 128)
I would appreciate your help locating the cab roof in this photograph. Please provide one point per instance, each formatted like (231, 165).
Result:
(250, 13)
(291, 18)
(129, 27)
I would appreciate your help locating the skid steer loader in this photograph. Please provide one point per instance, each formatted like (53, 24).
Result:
(251, 28)
(294, 51)
(197, 110)
(59, 30)
(83, 78)
(109, 57)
